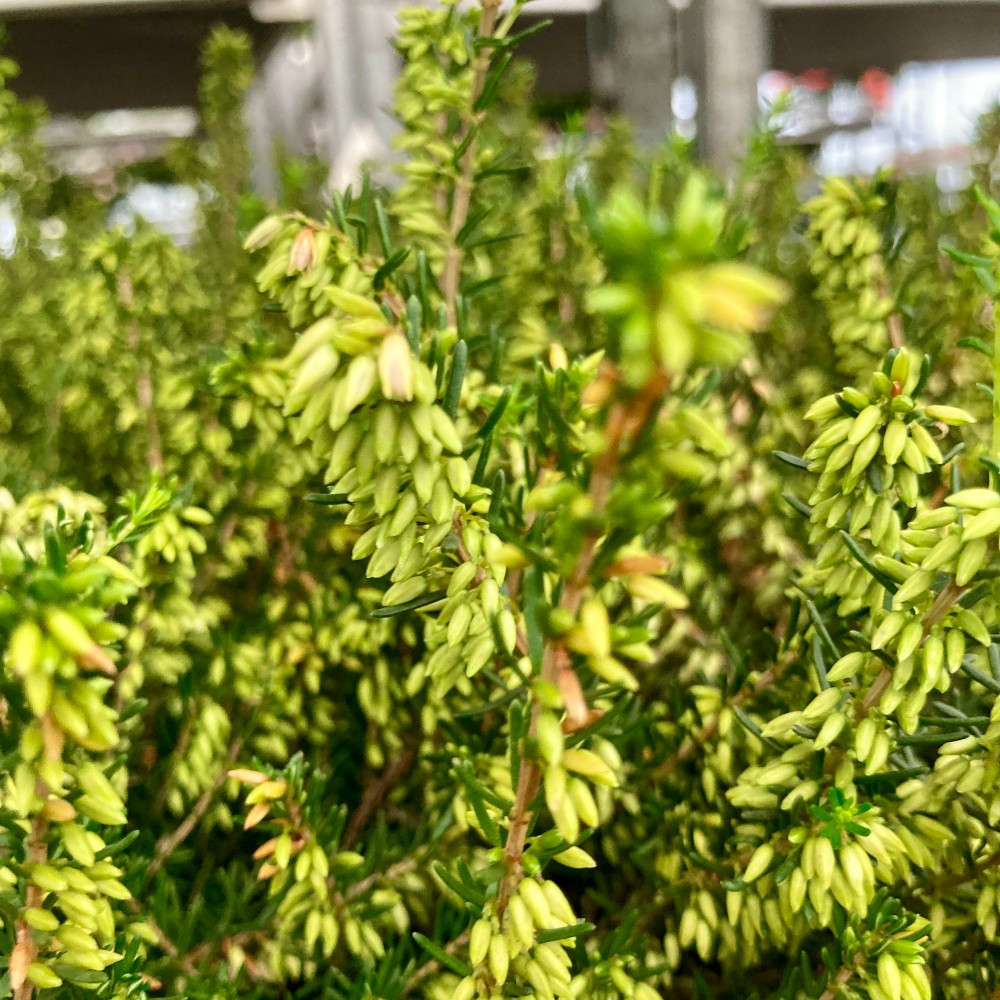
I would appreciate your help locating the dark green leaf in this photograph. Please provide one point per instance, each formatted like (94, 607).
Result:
(533, 611)
(797, 505)
(385, 271)
(961, 257)
(859, 554)
(977, 344)
(414, 605)
(793, 460)
(459, 363)
(382, 225)
(561, 933)
(436, 951)
(327, 499)
(496, 413)
(492, 82)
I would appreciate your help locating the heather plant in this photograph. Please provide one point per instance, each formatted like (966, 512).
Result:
(522, 604)
(62, 796)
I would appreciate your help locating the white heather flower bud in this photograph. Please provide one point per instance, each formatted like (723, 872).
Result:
(395, 367)
(318, 367)
(982, 525)
(479, 940)
(846, 667)
(303, 253)
(587, 763)
(465, 990)
(825, 861)
(520, 918)
(359, 379)
(976, 498)
(531, 892)
(499, 959)
(550, 737)
(759, 863)
(263, 233)
(575, 857)
(889, 977)
(951, 415)
(830, 730)
(915, 984)
(596, 627)
(823, 703)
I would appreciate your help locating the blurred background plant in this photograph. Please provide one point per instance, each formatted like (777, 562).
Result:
(481, 581)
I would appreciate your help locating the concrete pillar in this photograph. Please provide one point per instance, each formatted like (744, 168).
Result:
(382, 63)
(359, 68)
(260, 138)
(283, 104)
(736, 54)
(645, 58)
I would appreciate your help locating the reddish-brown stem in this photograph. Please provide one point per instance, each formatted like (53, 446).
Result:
(376, 792)
(463, 186)
(625, 419)
(179, 753)
(843, 977)
(874, 694)
(166, 845)
(37, 852)
(894, 322)
(166, 945)
(189, 963)
(144, 397)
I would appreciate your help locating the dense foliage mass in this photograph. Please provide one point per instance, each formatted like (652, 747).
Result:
(560, 574)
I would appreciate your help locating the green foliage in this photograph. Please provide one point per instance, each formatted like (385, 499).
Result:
(62, 795)
(516, 570)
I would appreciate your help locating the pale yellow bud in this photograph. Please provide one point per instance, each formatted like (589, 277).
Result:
(395, 367)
